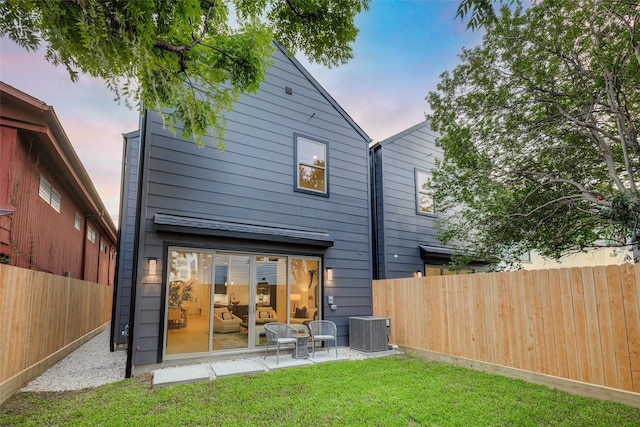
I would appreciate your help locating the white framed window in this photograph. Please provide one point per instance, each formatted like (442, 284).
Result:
(311, 166)
(103, 247)
(77, 221)
(424, 198)
(49, 194)
(91, 235)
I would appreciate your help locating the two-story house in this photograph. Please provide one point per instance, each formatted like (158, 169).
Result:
(51, 216)
(275, 227)
(403, 212)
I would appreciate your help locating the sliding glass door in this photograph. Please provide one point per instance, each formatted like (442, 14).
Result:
(222, 300)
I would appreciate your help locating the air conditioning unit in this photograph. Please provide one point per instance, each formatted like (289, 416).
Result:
(369, 333)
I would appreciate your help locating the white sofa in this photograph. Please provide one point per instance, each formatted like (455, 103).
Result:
(224, 321)
(310, 314)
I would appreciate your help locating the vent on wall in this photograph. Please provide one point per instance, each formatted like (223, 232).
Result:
(369, 333)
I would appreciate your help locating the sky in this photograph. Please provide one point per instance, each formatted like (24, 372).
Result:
(402, 48)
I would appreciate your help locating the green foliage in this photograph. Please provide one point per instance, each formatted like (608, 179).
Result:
(479, 12)
(539, 126)
(181, 57)
(389, 391)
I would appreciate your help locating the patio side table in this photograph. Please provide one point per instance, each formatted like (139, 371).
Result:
(303, 349)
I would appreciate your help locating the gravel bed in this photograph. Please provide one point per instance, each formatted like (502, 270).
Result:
(90, 365)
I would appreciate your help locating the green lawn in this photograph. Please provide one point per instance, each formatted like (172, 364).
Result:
(389, 391)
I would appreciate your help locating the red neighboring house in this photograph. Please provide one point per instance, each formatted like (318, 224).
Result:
(51, 216)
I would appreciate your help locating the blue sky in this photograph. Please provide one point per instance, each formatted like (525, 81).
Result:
(401, 50)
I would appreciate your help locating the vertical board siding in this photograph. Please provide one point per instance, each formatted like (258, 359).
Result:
(581, 324)
(42, 313)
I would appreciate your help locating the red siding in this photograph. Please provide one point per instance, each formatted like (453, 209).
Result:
(40, 237)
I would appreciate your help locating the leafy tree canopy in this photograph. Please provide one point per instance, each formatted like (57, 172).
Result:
(183, 57)
(539, 128)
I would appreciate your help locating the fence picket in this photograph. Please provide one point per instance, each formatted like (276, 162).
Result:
(580, 323)
(41, 314)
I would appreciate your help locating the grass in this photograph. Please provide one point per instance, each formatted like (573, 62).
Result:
(390, 391)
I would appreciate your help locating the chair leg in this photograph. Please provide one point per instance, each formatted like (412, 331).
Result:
(313, 349)
(277, 352)
(335, 342)
(265, 351)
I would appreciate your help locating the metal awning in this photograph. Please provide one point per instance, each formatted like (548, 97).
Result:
(438, 254)
(208, 227)
(431, 252)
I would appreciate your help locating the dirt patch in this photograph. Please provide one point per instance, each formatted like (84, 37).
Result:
(145, 380)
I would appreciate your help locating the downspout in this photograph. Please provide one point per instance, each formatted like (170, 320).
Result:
(374, 213)
(136, 243)
(83, 260)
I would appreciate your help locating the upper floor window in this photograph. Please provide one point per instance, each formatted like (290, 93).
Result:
(103, 247)
(424, 197)
(49, 194)
(77, 221)
(311, 165)
(91, 235)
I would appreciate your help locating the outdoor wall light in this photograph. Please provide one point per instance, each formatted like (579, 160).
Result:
(418, 273)
(153, 263)
(329, 273)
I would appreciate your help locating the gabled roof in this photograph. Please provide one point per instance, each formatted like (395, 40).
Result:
(324, 93)
(33, 115)
(393, 138)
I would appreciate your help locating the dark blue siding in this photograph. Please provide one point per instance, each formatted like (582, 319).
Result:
(399, 227)
(252, 182)
(126, 233)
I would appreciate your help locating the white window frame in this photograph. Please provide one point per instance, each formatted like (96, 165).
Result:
(49, 194)
(300, 139)
(91, 235)
(77, 221)
(423, 192)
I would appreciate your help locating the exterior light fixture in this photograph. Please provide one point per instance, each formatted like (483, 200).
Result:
(153, 263)
(418, 273)
(329, 273)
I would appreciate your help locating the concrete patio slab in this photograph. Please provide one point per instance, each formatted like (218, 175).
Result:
(285, 361)
(237, 367)
(322, 356)
(180, 375)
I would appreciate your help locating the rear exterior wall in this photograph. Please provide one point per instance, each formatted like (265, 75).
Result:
(399, 226)
(252, 181)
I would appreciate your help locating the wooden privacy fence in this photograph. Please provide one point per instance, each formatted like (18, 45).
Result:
(42, 318)
(577, 323)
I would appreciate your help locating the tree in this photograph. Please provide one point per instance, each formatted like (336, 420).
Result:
(480, 12)
(539, 128)
(182, 57)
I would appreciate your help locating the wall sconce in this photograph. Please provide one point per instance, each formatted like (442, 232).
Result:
(418, 273)
(329, 273)
(153, 262)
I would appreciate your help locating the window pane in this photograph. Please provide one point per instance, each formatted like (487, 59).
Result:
(304, 291)
(311, 153)
(188, 302)
(425, 199)
(311, 178)
(311, 164)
